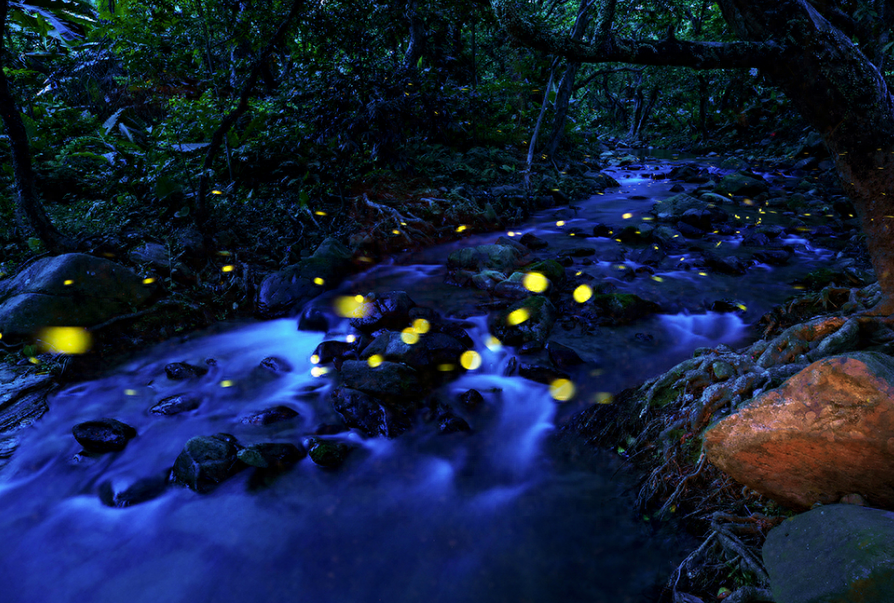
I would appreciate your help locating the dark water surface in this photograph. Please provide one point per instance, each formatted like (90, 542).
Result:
(486, 517)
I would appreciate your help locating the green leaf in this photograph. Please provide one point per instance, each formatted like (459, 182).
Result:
(112, 121)
(303, 199)
(34, 243)
(165, 187)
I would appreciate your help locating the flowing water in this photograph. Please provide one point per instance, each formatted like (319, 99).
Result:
(482, 517)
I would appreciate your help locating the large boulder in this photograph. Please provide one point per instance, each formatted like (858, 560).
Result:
(742, 183)
(826, 432)
(673, 208)
(832, 554)
(394, 383)
(285, 291)
(73, 290)
(206, 461)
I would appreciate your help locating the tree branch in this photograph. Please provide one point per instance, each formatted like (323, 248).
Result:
(517, 20)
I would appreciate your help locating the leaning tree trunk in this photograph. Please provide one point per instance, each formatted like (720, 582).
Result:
(838, 90)
(30, 214)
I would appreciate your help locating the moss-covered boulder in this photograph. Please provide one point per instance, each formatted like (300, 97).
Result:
(485, 257)
(328, 454)
(623, 308)
(206, 461)
(742, 183)
(526, 323)
(395, 383)
(673, 208)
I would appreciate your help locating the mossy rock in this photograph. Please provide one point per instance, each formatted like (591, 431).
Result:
(526, 323)
(623, 308)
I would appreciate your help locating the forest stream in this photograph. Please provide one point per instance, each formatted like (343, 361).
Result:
(487, 516)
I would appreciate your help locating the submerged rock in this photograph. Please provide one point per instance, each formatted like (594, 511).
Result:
(328, 454)
(103, 435)
(140, 491)
(834, 553)
(272, 455)
(368, 414)
(526, 323)
(269, 416)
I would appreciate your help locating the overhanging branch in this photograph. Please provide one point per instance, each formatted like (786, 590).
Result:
(517, 20)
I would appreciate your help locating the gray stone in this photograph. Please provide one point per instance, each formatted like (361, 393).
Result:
(832, 554)
(73, 290)
(206, 461)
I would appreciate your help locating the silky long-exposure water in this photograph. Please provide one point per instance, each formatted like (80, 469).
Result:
(486, 516)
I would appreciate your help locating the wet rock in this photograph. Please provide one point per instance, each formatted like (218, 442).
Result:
(727, 305)
(103, 435)
(393, 382)
(704, 218)
(470, 400)
(742, 183)
(834, 553)
(651, 255)
(580, 252)
(283, 292)
(562, 356)
(512, 242)
(673, 208)
(367, 414)
(775, 257)
(206, 461)
(328, 453)
(73, 289)
(178, 371)
(425, 354)
(600, 181)
(390, 310)
(140, 491)
(551, 269)
(176, 404)
(276, 364)
(623, 308)
(533, 242)
(328, 352)
(514, 287)
(487, 280)
(525, 323)
(826, 433)
(725, 264)
(324, 429)
(755, 239)
(485, 257)
(269, 416)
(677, 188)
(689, 231)
(272, 455)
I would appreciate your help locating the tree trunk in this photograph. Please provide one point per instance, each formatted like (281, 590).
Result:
(30, 214)
(417, 37)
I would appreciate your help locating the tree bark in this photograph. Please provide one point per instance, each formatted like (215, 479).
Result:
(835, 87)
(30, 214)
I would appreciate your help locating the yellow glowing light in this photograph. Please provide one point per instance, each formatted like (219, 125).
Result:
(703, 274)
(420, 325)
(130, 392)
(511, 233)
(461, 228)
(604, 398)
(33, 360)
(516, 317)
(560, 223)
(318, 281)
(493, 344)
(320, 213)
(148, 281)
(742, 307)
(350, 306)
(68, 282)
(536, 282)
(748, 202)
(470, 360)
(351, 338)
(583, 293)
(224, 253)
(446, 367)
(657, 279)
(319, 371)
(216, 193)
(228, 268)
(395, 231)
(375, 360)
(799, 287)
(561, 390)
(627, 216)
(67, 340)
(226, 383)
(315, 359)
(409, 336)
